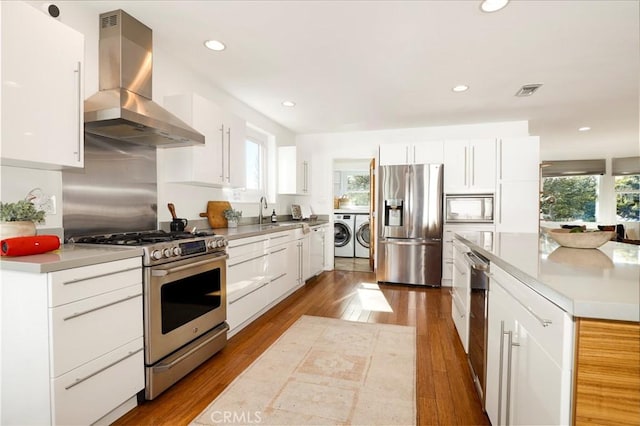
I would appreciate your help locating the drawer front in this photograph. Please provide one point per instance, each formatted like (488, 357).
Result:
(243, 308)
(546, 323)
(74, 284)
(281, 238)
(89, 392)
(87, 329)
(460, 320)
(244, 247)
(246, 274)
(279, 257)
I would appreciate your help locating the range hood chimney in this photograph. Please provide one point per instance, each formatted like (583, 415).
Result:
(123, 108)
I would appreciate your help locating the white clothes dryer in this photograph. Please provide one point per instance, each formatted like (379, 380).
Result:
(344, 235)
(363, 236)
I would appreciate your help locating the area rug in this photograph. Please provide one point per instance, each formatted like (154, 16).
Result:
(325, 371)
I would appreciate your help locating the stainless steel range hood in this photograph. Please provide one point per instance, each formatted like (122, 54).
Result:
(123, 108)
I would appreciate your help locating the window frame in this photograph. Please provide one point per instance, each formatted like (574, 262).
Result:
(615, 197)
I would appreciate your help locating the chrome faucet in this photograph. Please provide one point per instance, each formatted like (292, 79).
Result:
(262, 204)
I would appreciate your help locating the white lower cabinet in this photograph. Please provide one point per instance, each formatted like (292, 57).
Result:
(447, 246)
(460, 293)
(247, 277)
(529, 357)
(72, 344)
(261, 271)
(317, 249)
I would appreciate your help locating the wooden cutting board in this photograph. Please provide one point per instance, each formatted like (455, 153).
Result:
(215, 213)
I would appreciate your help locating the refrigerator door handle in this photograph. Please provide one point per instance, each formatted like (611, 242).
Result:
(412, 242)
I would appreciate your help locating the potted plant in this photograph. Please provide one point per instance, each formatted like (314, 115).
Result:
(232, 216)
(18, 219)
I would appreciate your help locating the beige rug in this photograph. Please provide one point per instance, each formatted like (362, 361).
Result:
(325, 371)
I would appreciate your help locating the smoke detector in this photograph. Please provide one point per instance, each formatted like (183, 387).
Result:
(528, 89)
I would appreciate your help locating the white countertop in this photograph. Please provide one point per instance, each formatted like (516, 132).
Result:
(593, 283)
(68, 256)
(244, 231)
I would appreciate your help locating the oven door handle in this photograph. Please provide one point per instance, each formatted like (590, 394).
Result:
(165, 272)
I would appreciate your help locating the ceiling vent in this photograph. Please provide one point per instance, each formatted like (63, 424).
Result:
(528, 89)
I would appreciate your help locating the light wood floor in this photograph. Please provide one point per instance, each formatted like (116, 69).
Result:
(445, 392)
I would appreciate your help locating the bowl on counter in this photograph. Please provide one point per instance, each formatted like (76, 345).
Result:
(585, 259)
(581, 240)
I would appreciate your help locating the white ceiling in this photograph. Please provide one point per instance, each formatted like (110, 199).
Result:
(364, 65)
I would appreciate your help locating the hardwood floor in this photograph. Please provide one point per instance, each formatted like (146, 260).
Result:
(445, 392)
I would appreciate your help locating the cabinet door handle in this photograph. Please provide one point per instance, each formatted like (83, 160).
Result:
(500, 371)
(252, 242)
(278, 277)
(249, 260)
(473, 166)
(77, 280)
(78, 72)
(97, 308)
(500, 158)
(229, 155)
(231, 302)
(466, 165)
(106, 367)
(222, 156)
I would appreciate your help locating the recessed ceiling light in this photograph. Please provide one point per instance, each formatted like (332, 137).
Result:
(493, 5)
(460, 88)
(288, 103)
(584, 129)
(215, 45)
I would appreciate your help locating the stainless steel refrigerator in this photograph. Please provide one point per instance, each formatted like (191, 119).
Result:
(410, 224)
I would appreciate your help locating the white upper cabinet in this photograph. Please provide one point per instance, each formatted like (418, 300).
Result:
(517, 198)
(429, 152)
(42, 90)
(220, 161)
(294, 171)
(519, 158)
(470, 166)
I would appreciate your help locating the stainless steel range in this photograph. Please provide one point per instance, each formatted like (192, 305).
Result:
(184, 289)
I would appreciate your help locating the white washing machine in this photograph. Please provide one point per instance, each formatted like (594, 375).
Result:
(363, 235)
(344, 235)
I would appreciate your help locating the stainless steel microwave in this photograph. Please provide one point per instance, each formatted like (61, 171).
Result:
(469, 208)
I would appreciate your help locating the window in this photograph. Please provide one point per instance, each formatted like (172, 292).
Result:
(569, 198)
(355, 186)
(627, 189)
(255, 152)
(259, 163)
(626, 172)
(570, 190)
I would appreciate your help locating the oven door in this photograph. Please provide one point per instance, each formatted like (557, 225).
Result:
(182, 301)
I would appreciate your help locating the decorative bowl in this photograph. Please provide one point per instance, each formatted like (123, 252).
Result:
(581, 240)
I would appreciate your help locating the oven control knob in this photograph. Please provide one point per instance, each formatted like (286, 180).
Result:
(156, 254)
(211, 244)
(167, 252)
(177, 251)
(221, 243)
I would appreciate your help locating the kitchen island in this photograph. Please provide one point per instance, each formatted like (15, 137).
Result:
(571, 318)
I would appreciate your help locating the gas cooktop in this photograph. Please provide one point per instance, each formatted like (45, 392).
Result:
(142, 238)
(160, 246)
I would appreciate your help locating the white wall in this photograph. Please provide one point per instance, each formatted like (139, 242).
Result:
(169, 77)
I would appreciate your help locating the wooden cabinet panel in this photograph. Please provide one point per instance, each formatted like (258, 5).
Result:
(607, 380)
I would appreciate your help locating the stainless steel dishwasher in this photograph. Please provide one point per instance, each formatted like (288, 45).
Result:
(479, 303)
